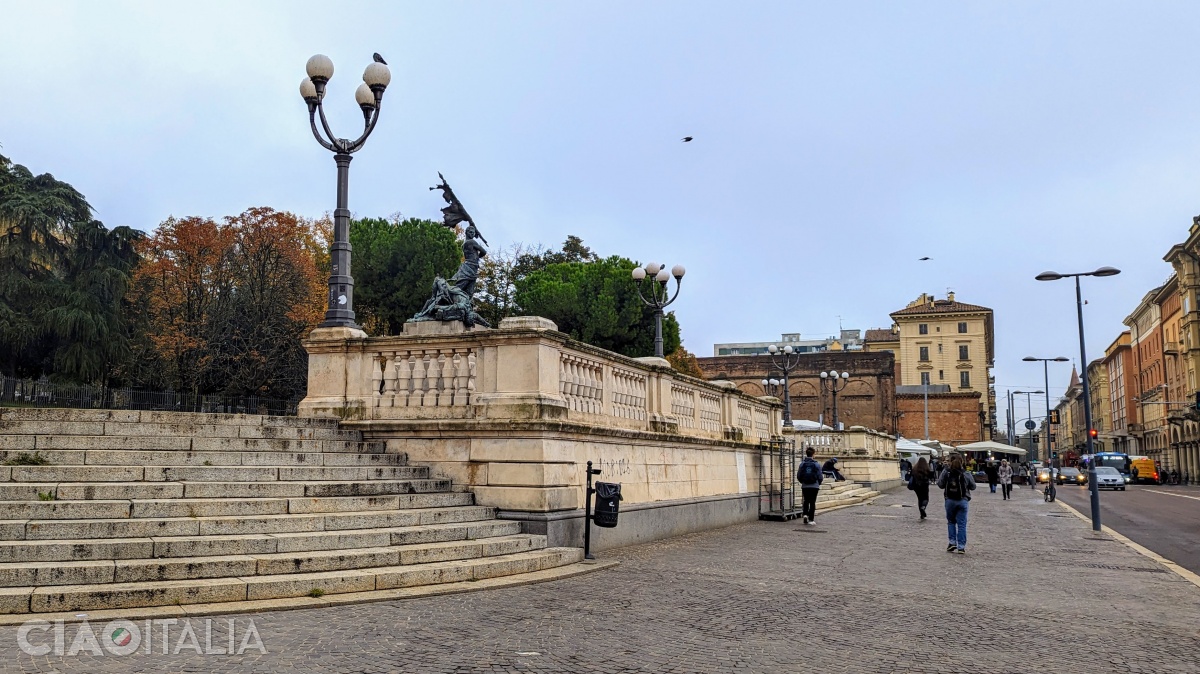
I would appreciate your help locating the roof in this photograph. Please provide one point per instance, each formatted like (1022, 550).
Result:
(881, 335)
(992, 446)
(940, 307)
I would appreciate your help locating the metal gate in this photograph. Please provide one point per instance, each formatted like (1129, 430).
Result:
(777, 480)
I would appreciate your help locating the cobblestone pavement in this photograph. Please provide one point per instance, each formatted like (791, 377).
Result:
(869, 589)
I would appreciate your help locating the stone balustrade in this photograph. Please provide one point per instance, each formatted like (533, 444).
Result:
(865, 456)
(525, 370)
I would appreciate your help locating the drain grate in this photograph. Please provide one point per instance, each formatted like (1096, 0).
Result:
(1113, 567)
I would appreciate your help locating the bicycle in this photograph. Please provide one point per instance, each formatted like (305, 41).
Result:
(1051, 492)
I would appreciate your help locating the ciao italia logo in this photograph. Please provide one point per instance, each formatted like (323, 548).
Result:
(166, 636)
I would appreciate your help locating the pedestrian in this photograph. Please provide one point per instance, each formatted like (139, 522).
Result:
(905, 469)
(810, 479)
(1006, 479)
(829, 469)
(957, 484)
(992, 470)
(919, 484)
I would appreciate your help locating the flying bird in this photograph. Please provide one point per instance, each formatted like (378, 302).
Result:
(922, 259)
(378, 58)
(687, 139)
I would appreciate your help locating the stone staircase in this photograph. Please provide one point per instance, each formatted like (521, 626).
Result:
(140, 509)
(837, 494)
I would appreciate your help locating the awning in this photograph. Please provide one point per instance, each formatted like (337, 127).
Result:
(993, 447)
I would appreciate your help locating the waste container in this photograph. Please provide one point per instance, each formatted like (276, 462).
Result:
(608, 502)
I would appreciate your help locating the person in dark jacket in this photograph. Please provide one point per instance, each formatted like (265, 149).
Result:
(809, 489)
(830, 470)
(992, 469)
(957, 484)
(919, 484)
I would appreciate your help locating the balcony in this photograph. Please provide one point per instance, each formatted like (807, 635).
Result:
(1171, 348)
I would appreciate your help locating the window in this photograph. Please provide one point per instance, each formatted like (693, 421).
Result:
(925, 379)
(923, 328)
(962, 327)
(941, 375)
(963, 351)
(925, 353)
(939, 347)
(964, 380)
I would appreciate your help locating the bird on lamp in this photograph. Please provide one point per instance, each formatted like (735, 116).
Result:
(378, 58)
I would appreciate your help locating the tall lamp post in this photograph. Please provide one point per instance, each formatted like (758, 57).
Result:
(1087, 393)
(784, 358)
(1029, 416)
(369, 96)
(834, 381)
(1046, 373)
(656, 296)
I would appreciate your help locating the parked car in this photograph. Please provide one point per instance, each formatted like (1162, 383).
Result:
(1107, 476)
(1071, 476)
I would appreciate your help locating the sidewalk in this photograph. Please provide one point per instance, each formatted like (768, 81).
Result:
(868, 589)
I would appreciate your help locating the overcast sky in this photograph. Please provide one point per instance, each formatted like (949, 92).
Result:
(835, 143)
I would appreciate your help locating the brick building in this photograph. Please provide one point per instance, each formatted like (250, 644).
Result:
(869, 398)
(954, 416)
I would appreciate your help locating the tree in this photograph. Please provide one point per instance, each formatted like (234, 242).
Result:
(394, 265)
(685, 362)
(596, 302)
(500, 273)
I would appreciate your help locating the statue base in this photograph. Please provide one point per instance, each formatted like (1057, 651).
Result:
(438, 328)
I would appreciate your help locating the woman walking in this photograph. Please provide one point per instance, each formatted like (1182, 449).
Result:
(1006, 476)
(918, 482)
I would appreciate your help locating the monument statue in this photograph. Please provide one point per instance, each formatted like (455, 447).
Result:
(451, 301)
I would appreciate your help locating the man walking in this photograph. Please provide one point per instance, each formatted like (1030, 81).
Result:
(957, 483)
(810, 480)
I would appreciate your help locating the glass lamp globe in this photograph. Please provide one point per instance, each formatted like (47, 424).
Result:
(773, 349)
(765, 382)
(678, 271)
(652, 268)
(788, 349)
(638, 273)
(378, 76)
(319, 67)
(364, 97)
(308, 90)
(824, 375)
(662, 276)
(845, 375)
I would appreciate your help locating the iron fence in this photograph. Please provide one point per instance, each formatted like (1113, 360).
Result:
(45, 393)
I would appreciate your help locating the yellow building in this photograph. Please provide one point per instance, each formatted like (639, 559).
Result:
(945, 342)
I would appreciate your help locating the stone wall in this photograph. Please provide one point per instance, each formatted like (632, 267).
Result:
(953, 417)
(869, 398)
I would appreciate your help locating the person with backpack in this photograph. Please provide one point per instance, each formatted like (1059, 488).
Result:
(918, 483)
(810, 478)
(957, 484)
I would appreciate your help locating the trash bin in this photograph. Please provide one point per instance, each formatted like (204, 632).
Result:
(608, 502)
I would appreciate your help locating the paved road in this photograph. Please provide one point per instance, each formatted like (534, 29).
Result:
(1164, 519)
(869, 589)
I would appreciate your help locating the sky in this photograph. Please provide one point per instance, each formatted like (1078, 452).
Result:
(835, 143)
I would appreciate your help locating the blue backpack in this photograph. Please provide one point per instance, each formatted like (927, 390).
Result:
(810, 472)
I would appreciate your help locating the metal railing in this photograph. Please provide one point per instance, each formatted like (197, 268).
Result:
(44, 393)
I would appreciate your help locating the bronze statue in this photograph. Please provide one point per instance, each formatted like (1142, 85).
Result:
(451, 301)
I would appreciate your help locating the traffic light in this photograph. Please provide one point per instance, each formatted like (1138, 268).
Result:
(1197, 405)
(1054, 413)
(1053, 437)
(1093, 433)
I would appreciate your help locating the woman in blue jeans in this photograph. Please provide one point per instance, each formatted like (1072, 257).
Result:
(957, 484)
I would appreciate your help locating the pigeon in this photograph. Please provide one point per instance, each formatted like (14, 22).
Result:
(687, 139)
(922, 259)
(378, 58)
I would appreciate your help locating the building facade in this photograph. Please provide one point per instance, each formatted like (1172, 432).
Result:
(953, 416)
(1146, 341)
(945, 342)
(849, 340)
(869, 398)
(1097, 375)
(1122, 381)
(1184, 258)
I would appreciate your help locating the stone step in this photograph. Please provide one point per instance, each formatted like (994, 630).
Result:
(87, 491)
(202, 591)
(15, 414)
(210, 473)
(197, 525)
(181, 443)
(219, 507)
(195, 545)
(151, 429)
(19, 574)
(119, 457)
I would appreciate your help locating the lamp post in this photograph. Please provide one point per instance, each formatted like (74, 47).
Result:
(656, 296)
(771, 387)
(834, 381)
(1087, 393)
(784, 358)
(1029, 415)
(369, 96)
(1046, 374)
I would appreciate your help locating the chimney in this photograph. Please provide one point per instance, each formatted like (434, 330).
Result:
(950, 295)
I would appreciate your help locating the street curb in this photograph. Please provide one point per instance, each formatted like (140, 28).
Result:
(292, 603)
(1170, 566)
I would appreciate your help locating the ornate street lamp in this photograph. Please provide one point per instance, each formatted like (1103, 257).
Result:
(834, 381)
(369, 95)
(784, 358)
(1087, 395)
(656, 296)
(771, 387)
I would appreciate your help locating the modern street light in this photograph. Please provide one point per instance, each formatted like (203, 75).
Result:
(656, 297)
(785, 358)
(1087, 393)
(369, 96)
(1046, 373)
(1029, 416)
(834, 381)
